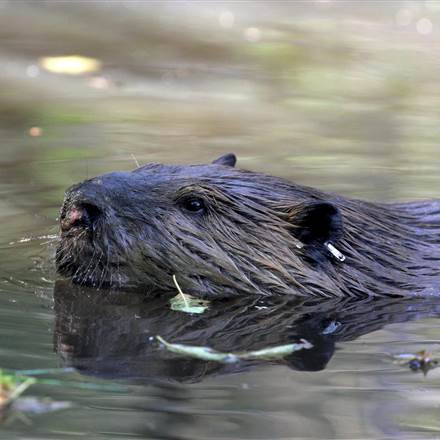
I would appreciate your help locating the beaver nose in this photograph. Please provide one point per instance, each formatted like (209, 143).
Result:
(82, 215)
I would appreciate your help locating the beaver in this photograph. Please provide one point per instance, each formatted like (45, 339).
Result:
(227, 232)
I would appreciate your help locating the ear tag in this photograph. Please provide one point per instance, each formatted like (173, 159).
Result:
(337, 254)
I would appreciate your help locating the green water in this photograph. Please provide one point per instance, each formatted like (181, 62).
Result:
(342, 96)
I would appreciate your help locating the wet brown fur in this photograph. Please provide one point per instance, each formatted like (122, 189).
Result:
(248, 240)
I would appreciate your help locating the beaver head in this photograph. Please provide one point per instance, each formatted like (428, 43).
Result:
(225, 232)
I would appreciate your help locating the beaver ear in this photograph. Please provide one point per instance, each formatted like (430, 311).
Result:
(228, 160)
(318, 225)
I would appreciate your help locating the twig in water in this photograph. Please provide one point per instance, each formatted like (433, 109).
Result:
(135, 160)
(180, 291)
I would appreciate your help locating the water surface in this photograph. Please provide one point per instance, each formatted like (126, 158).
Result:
(338, 95)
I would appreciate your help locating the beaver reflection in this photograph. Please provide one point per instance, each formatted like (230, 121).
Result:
(109, 334)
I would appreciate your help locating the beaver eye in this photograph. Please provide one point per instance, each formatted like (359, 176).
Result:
(194, 205)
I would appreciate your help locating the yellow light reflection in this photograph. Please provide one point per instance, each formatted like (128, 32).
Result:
(70, 65)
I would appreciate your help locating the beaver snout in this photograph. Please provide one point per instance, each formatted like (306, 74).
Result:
(82, 207)
(82, 215)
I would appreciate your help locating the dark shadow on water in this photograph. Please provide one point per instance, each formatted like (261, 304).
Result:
(112, 334)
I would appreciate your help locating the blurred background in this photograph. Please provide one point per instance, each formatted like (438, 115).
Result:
(339, 95)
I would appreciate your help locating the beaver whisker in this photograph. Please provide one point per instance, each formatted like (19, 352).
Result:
(87, 269)
(96, 266)
(117, 274)
(105, 269)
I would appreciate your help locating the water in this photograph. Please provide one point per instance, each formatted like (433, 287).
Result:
(338, 95)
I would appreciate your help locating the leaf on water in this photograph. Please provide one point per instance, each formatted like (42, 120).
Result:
(423, 361)
(183, 302)
(189, 305)
(11, 387)
(203, 353)
(14, 383)
(7, 381)
(209, 354)
(277, 352)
